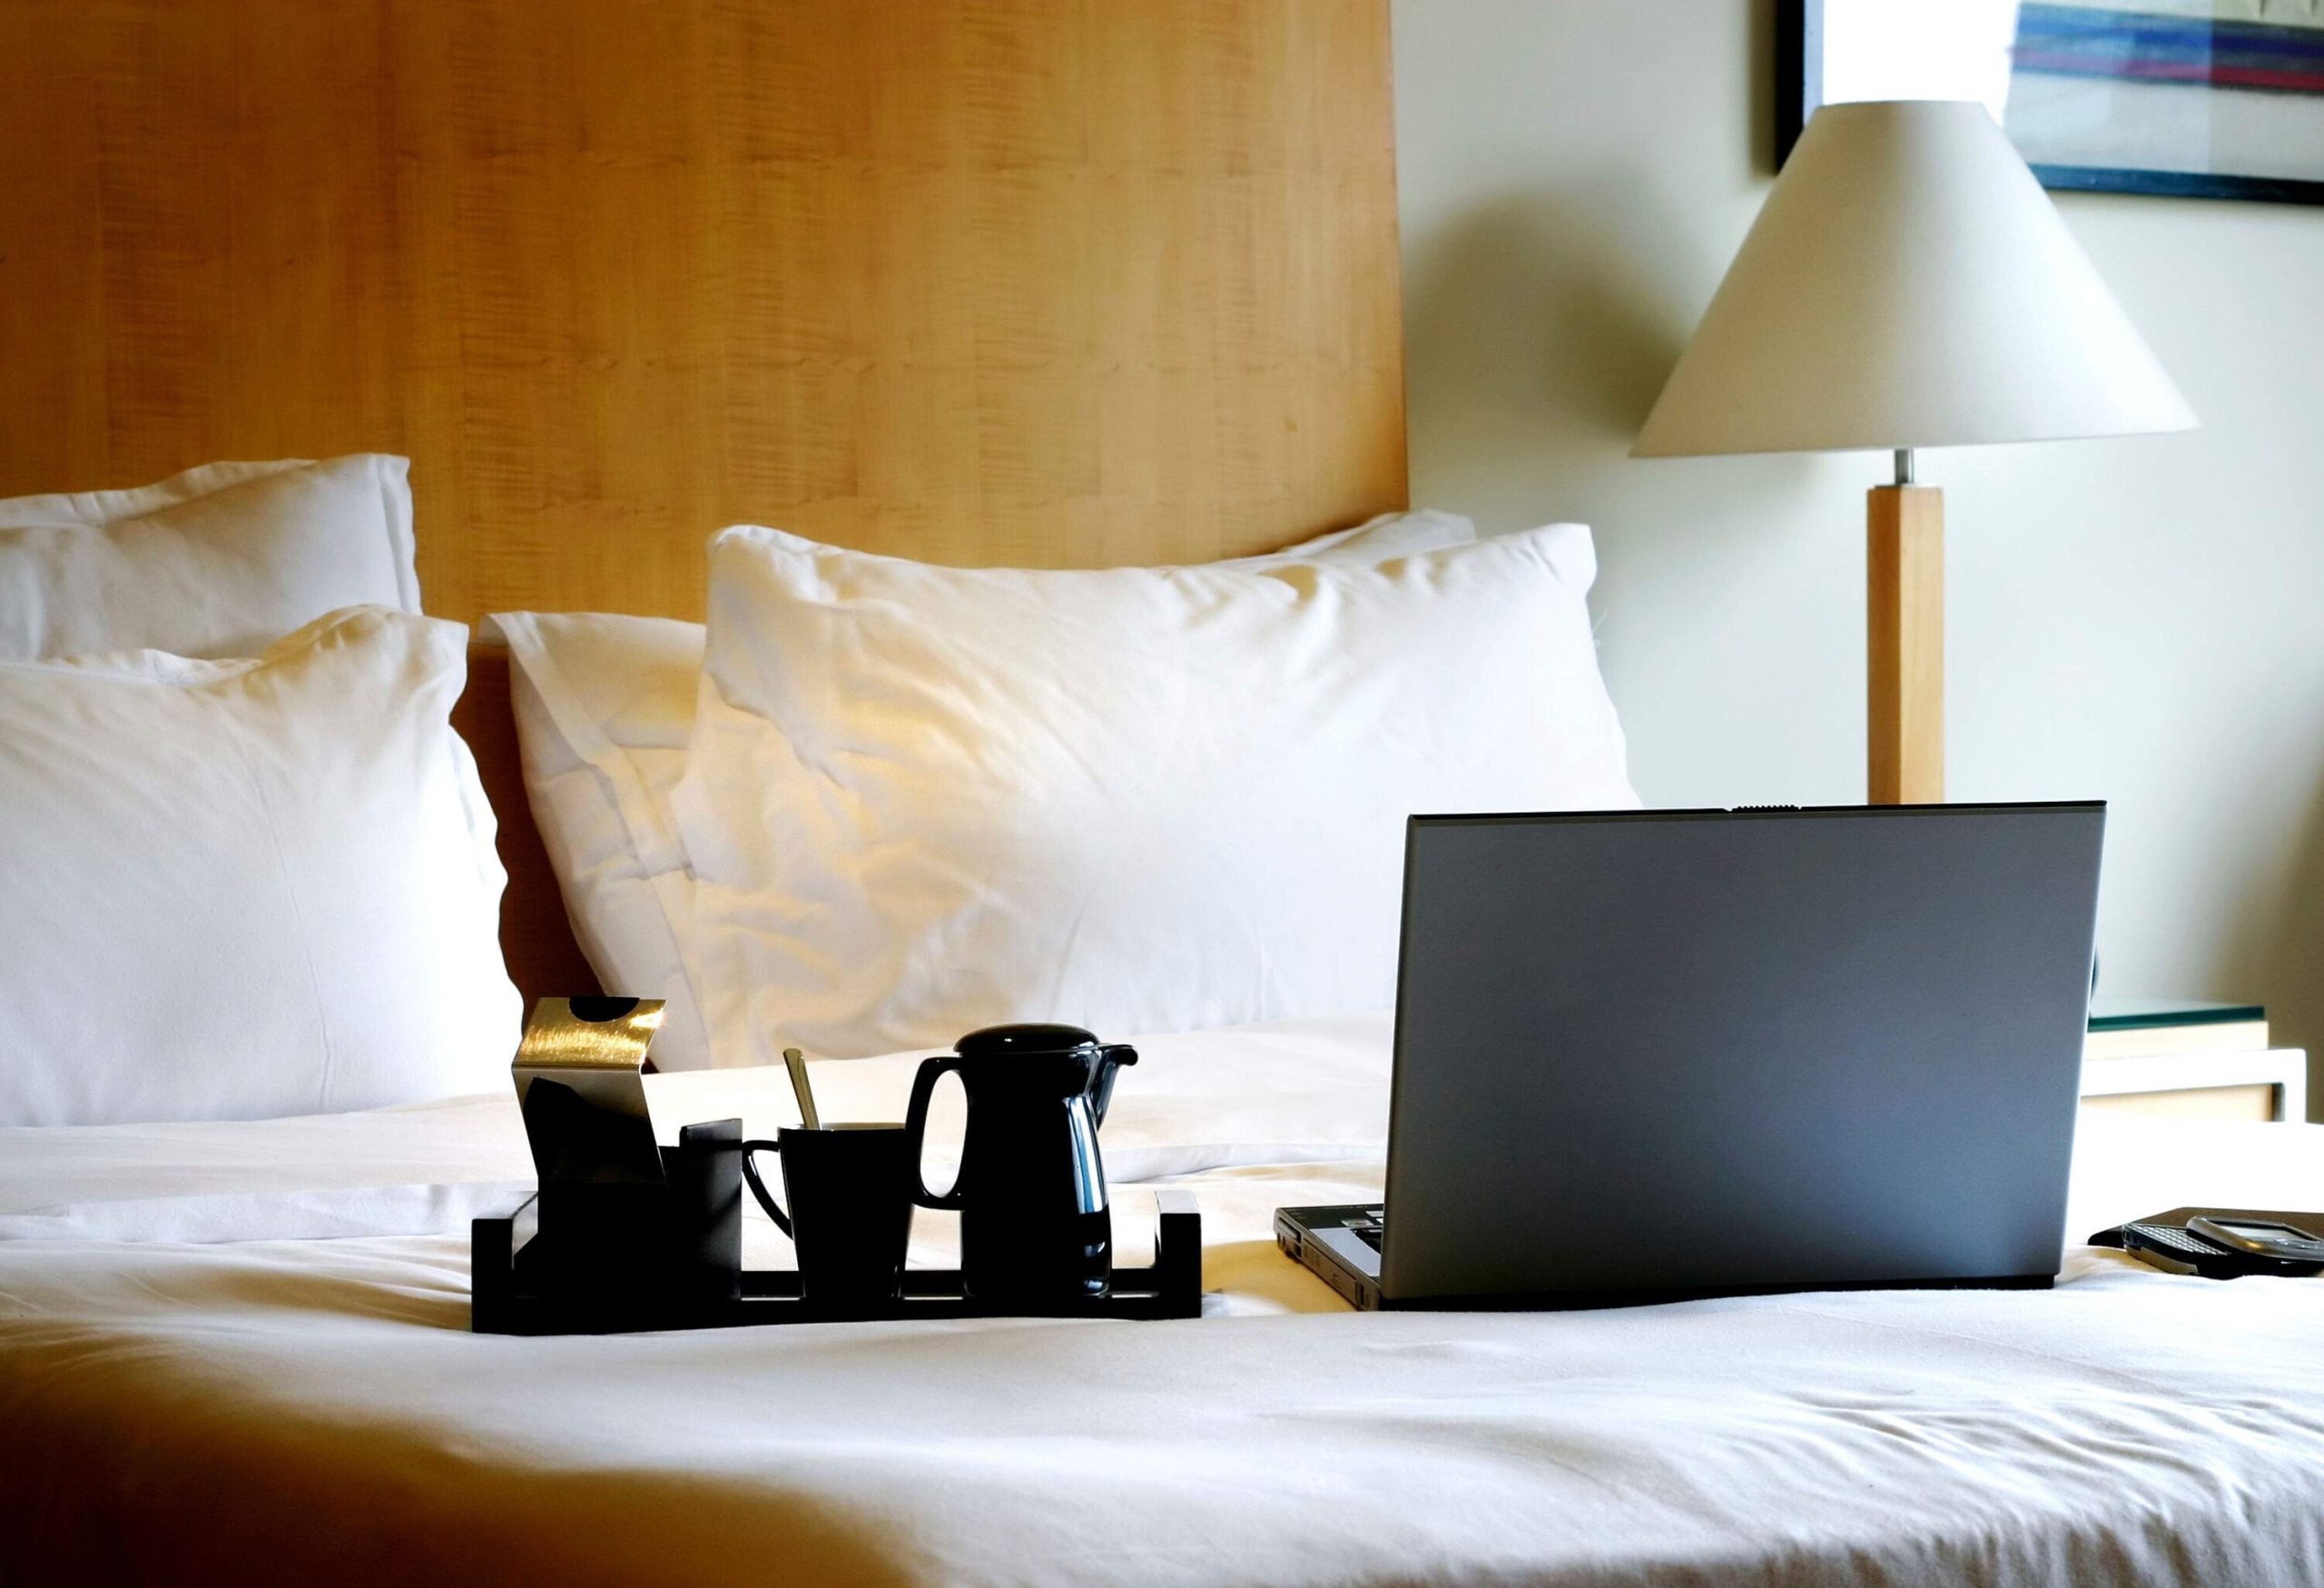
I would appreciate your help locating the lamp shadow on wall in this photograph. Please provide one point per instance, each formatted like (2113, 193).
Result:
(1539, 328)
(1536, 343)
(2281, 953)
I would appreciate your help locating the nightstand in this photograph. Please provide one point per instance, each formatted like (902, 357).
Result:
(2190, 1060)
(2268, 1084)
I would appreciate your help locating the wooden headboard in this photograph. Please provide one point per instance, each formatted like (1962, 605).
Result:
(1046, 282)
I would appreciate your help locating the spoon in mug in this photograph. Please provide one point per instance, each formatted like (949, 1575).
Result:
(796, 1062)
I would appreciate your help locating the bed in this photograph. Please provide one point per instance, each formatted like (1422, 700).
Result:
(1045, 284)
(186, 1399)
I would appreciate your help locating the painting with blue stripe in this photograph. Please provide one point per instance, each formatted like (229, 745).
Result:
(2199, 98)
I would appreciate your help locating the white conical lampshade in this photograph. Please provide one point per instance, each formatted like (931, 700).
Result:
(1908, 284)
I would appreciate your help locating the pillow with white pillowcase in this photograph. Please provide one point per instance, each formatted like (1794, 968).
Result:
(922, 800)
(604, 706)
(222, 560)
(248, 889)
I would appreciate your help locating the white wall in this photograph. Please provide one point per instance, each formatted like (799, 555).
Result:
(2139, 619)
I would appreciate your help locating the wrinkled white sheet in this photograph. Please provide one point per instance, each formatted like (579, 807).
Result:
(188, 1392)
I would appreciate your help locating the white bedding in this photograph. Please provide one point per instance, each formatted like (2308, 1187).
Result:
(186, 1388)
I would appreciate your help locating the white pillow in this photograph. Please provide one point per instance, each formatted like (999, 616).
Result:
(920, 800)
(219, 561)
(238, 890)
(604, 705)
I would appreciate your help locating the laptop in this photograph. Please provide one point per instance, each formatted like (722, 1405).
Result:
(1648, 1056)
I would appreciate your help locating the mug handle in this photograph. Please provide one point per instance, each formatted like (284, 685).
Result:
(751, 1149)
(923, 1087)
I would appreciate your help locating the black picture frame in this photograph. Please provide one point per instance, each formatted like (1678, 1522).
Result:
(1798, 61)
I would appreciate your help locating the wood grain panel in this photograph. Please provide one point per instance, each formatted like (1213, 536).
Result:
(1041, 281)
(1049, 282)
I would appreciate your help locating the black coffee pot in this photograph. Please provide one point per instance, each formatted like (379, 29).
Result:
(1035, 1225)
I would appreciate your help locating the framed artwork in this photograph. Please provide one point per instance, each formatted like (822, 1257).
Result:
(2197, 98)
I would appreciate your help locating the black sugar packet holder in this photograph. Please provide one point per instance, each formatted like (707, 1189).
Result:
(2191, 1252)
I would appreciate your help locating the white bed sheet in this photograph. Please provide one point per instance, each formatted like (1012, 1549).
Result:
(187, 1388)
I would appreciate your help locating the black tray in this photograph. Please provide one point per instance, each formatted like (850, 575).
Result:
(501, 1304)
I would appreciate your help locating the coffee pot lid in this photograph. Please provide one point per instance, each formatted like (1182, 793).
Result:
(1023, 1038)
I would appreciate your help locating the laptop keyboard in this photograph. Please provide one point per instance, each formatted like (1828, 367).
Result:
(1366, 1227)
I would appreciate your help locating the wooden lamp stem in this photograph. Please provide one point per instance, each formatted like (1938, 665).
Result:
(1905, 623)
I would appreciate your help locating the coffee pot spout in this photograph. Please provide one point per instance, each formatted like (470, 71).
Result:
(1110, 1058)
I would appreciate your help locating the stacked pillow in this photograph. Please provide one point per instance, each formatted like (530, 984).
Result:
(911, 800)
(219, 561)
(922, 800)
(604, 707)
(236, 888)
(250, 888)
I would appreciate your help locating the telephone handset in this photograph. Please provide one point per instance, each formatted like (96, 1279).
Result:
(2220, 1244)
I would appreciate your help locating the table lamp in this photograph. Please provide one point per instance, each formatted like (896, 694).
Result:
(1908, 284)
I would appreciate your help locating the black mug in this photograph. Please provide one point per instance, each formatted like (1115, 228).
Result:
(849, 1218)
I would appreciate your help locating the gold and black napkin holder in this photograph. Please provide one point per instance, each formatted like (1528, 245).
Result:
(626, 1235)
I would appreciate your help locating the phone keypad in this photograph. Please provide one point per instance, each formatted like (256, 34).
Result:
(2173, 1238)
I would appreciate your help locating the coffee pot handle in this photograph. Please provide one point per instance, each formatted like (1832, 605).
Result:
(923, 1087)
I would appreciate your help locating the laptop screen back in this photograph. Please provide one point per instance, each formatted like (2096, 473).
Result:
(1712, 1050)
